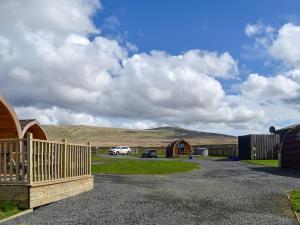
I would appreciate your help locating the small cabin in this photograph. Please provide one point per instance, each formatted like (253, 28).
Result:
(178, 147)
(290, 149)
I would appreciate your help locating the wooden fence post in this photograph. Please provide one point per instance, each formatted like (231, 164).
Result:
(29, 158)
(65, 158)
(90, 158)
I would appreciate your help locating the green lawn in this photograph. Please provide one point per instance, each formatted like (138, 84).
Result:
(8, 209)
(295, 200)
(268, 162)
(135, 166)
(99, 158)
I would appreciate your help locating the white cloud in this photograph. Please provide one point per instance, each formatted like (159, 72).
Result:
(175, 89)
(282, 44)
(286, 46)
(77, 40)
(262, 34)
(258, 29)
(253, 29)
(137, 125)
(56, 16)
(112, 23)
(55, 115)
(51, 70)
(278, 94)
(278, 88)
(211, 63)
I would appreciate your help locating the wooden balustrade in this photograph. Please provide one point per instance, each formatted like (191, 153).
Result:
(34, 161)
(13, 161)
(78, 160)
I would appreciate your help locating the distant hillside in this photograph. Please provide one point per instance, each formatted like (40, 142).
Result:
(107, 137)
(185, 133)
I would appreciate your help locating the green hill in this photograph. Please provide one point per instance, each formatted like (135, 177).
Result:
(157, 137)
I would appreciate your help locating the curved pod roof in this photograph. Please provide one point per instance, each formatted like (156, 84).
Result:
(12, 127)
(34, 127)
(9, 123)
(290, 149)
(172, 150)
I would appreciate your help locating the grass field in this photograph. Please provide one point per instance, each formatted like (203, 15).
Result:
(99, 158)
(295, 200)
(8, 209)
(138, 166)
(158, 137)
(269, 162)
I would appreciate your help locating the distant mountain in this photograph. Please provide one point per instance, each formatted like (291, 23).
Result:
(185, 133)
(156, 137)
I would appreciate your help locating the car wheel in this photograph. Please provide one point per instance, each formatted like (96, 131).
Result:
(117, 153)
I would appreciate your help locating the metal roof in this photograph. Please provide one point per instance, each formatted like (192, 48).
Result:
(288, 127)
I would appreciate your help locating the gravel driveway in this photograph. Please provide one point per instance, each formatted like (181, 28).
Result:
(221, 193)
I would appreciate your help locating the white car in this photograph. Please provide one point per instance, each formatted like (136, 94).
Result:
(124, 150)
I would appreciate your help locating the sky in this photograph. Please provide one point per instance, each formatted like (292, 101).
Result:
(220, 66)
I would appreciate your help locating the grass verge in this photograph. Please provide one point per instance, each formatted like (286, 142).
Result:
(268, 162)
(126, 166)
(8, 209)
(295, 200)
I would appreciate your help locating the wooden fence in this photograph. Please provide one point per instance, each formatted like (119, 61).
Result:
(221, 150)
(258, 146)
(31, 161)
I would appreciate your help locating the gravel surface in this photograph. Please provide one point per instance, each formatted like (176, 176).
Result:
(221, 193)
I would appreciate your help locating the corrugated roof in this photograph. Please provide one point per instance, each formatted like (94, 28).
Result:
(288, 127)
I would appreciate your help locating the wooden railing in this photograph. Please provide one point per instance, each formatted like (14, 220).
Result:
(32, 161)
(13, 161)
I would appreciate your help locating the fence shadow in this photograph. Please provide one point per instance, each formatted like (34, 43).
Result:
(224, 159)
(277, 171)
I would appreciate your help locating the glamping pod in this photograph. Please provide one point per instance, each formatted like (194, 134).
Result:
(290, 149)
(258, 146)
(9, 123)
(178, 147)
(12, 127)
(33, 126)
